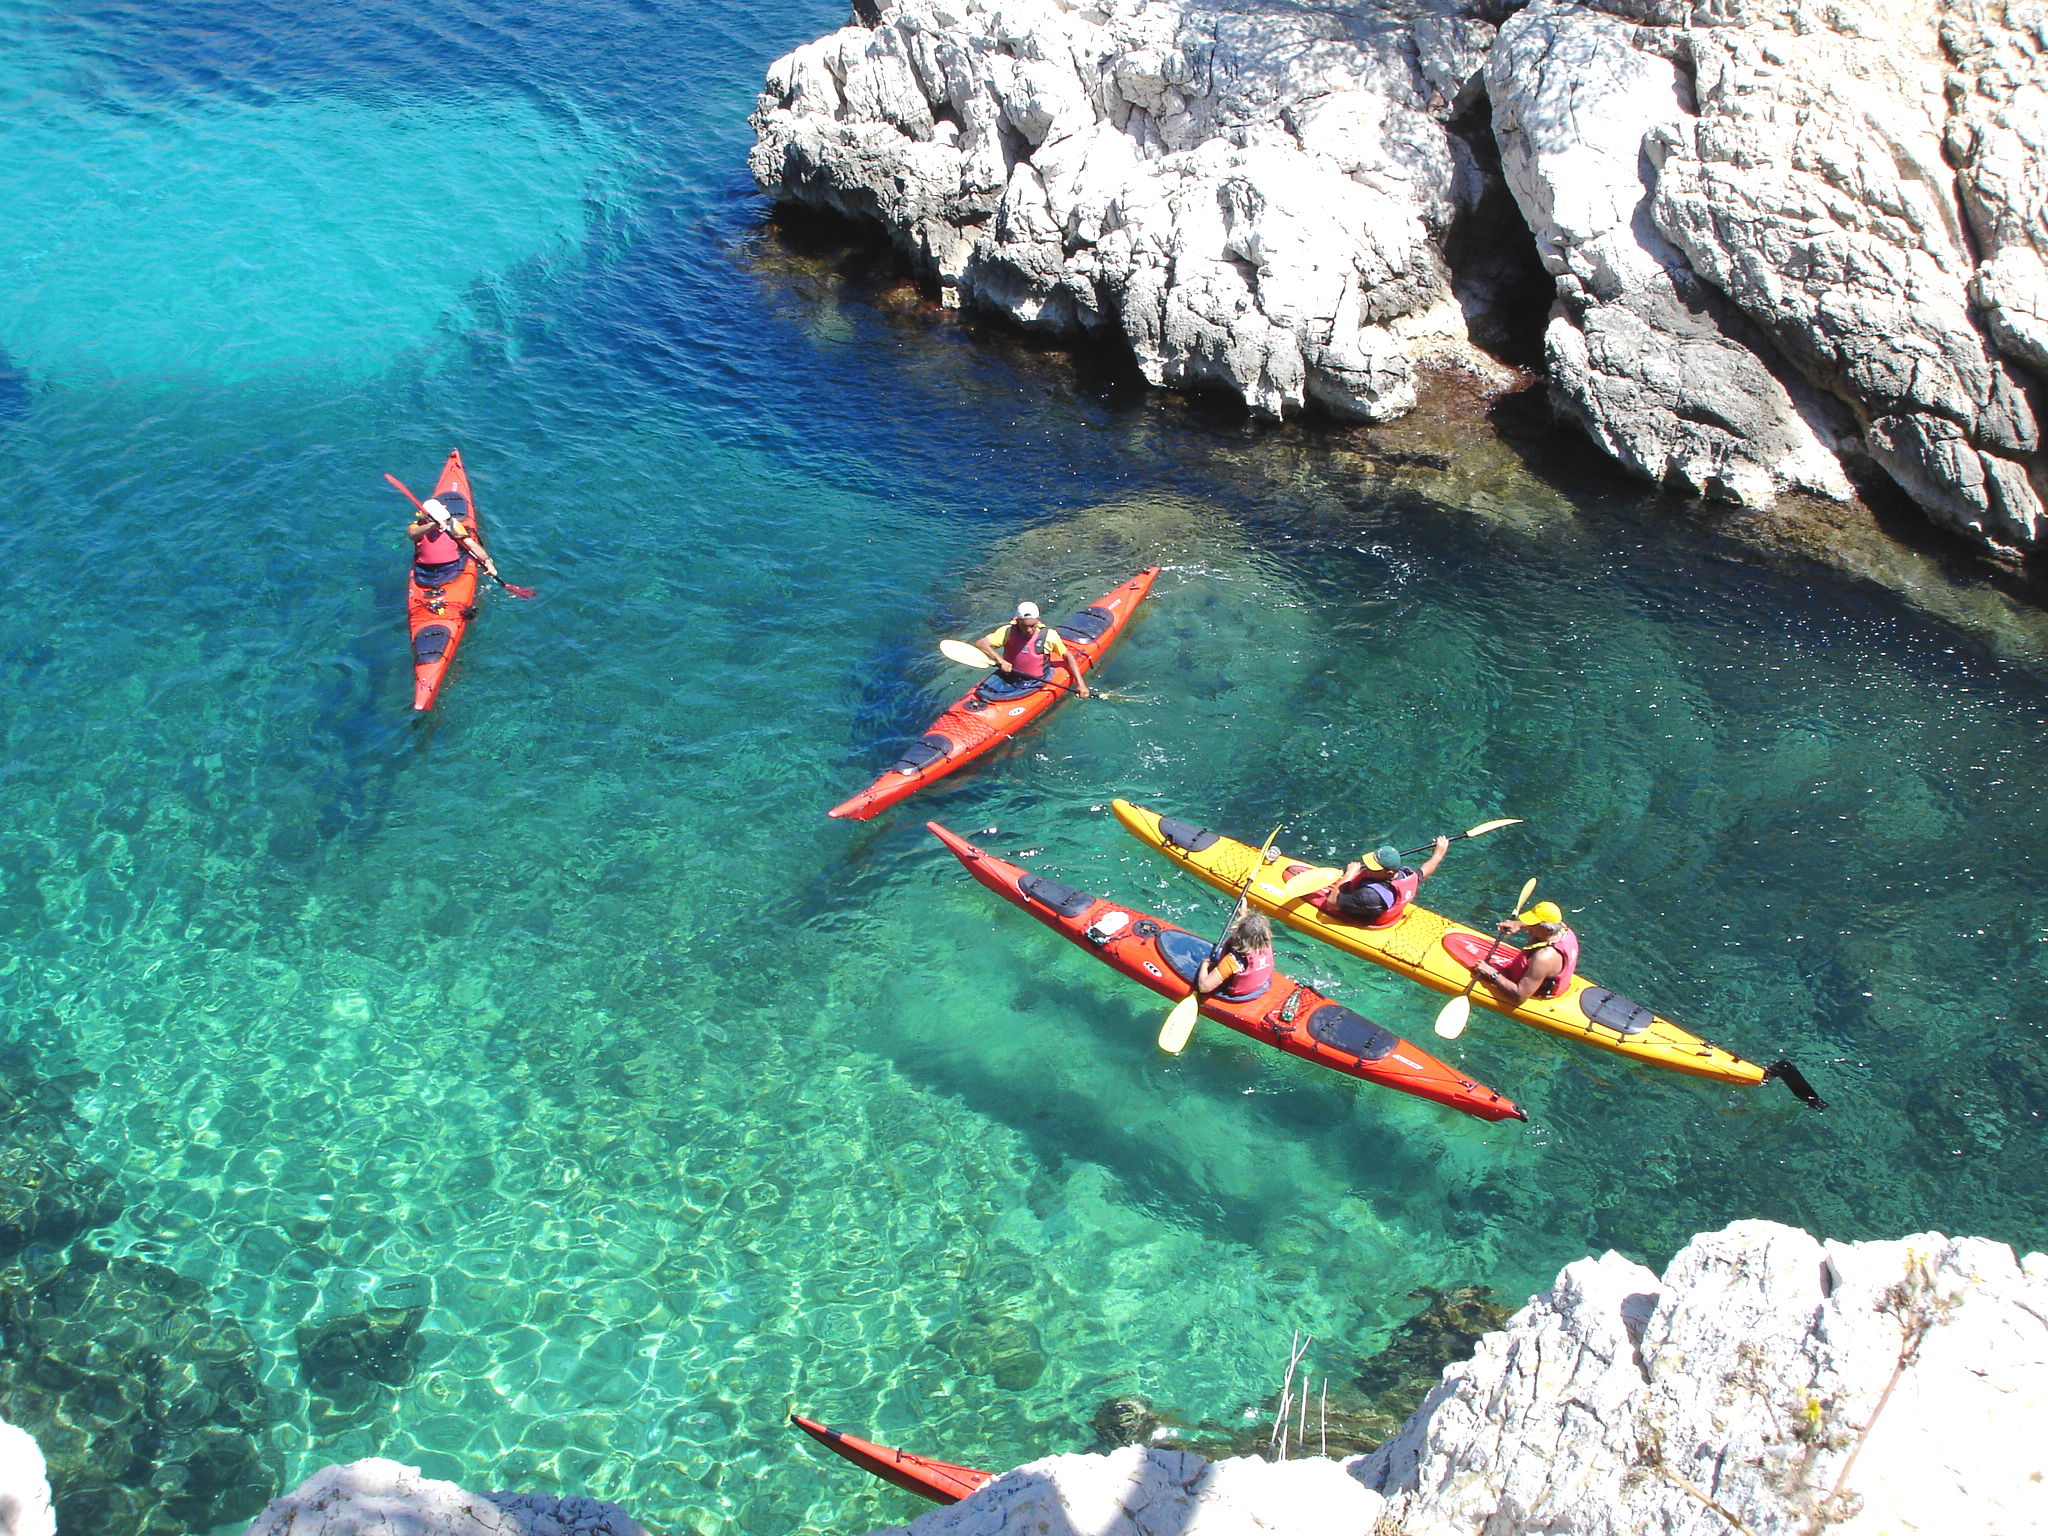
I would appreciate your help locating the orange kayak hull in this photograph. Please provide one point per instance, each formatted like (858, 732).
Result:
(940, 1481)
(971, 727)
(437, 617)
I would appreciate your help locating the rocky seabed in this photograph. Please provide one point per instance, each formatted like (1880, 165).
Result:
(1766, 1384)
(1783, 243)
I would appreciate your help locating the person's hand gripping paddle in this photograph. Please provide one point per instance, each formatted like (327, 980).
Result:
(968, 656)
(1173, 1036)
(475, 549)
(1310, 881)
(1451, 1022)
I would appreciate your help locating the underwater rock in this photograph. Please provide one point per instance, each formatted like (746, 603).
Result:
(149, 1407)
(24, 1486)
(1448, 1330)
(376, 1497)
(1121, 1421)
(379, 1345)
(48, 1194)
(1010, 1353)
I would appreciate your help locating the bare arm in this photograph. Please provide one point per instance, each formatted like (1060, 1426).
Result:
(1436, 857)
(1542, 966)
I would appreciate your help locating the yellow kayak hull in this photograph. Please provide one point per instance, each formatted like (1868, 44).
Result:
(1413, 944)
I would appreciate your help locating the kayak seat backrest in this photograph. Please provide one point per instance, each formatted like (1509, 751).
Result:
(1342, 1030)
(456, 503)
(1184, 837)
(925, 751)
(1087, 626)
(998, 689)
(430, 644)
(1615, 1011)
(1054, 897)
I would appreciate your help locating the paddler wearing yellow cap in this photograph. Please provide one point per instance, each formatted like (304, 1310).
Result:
(1545, 966)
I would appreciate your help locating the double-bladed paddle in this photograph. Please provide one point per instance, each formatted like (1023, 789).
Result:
(475, 549)
(1173, 1036)
(1315, 879)
(970, 656)
(1451, 1021)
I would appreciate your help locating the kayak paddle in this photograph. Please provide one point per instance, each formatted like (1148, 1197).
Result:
(1173, 1036)
(475, 549)
(1315, 879)
(1450, 1023)
(969, 656)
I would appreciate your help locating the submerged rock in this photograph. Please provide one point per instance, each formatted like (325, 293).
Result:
(148, 1406)
(380, 1345)
(48, 1193)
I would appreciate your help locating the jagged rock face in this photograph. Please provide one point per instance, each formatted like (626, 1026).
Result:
(1766, 1378)
(24, 1487)
(377, 1497)
(1785, 234)
(1254, 198)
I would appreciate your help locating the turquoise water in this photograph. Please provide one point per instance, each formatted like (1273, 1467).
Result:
(690, 1106)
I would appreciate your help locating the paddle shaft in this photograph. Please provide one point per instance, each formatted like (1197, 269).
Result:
(1494, 948)
(476, 550)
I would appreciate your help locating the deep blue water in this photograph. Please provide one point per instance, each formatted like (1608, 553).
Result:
(693, 1106)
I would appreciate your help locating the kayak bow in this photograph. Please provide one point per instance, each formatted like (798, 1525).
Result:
(972, 727)
(1289, 1014)
(940, 1481)
(437, 616)
(1439, 953)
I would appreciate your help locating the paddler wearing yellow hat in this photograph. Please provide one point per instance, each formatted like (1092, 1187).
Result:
(1542, 968)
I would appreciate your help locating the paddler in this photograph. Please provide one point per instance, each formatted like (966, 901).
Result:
(1244, 968)
(1374, 890)
(1025, 649)
(441, 541)
(1542, 969)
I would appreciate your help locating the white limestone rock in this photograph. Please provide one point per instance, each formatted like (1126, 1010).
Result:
(1253, 198)
(1146, 1491)
(24, 1485)
(376, 1497)
(1649, 359)
(1767, 1378)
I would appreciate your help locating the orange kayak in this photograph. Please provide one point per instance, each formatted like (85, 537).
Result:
(438, 615)
(1289, 1015)
(973, 726)
(940, 1481)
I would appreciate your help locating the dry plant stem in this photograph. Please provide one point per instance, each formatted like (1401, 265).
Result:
(1709, 1500)
(1323, 1418)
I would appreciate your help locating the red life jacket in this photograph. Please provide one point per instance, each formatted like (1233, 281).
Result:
(1253, 977)
(1394, 890)
(437, 548)
(1024, 650)
(1566, 944)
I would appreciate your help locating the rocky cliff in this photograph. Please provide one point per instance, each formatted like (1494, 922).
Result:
(1766, 1383)
(1783, 240)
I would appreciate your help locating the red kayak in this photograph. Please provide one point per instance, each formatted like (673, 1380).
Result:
(1289, 1014)
(438, 615)
(973, 725)
(939, 1481)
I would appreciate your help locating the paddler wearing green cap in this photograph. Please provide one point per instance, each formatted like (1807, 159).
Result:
(1374, 889)
(1543, 968)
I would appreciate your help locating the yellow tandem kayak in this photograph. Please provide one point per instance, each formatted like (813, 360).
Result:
(1431, 949)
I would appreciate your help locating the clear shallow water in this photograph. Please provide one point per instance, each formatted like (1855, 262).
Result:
(693, 1106)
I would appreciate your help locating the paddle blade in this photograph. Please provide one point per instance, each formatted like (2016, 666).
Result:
(1173, 1038)
(1491, 826)
(1521, 901)
(1456, 1014)
(1308, 882)
(962, 652)
(399, 485)
(517, 591)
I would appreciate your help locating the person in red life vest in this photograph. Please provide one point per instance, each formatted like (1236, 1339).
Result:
(440, 543)
(1025, 649)
(1245, 967)
(1543, 969)
(1374, 890)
